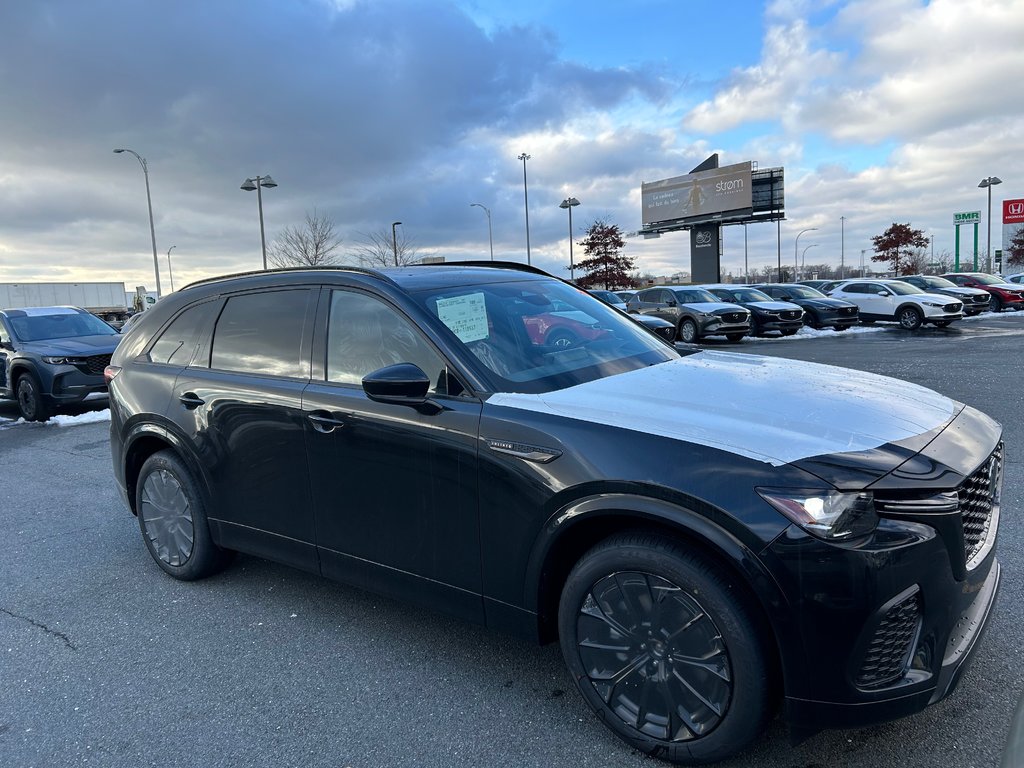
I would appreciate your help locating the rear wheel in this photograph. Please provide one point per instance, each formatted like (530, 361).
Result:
(172, 518)
(688, 331)
(31, 403)
(664, 648)
(562, 338)
(909, 318)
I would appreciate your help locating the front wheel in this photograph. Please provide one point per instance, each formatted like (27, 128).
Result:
(788, 333)
(995, 304)
(562, 339)
(909, 318)
(688, 331)
(665, 649)
(941, 323)
(172, 518)
(735, 337)
(31, 403)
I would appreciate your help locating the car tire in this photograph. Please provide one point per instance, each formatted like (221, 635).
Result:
(789, 332)
(666, 606)
(838, 328)
(941, 323)
(995, 304)
(868, 322)
(909, 318)
(172, 518)
(562, 338)
(735, 337)
(688, 331)
(31, 402)
(812, 320)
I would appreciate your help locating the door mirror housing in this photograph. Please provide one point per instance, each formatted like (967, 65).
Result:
(402, 384)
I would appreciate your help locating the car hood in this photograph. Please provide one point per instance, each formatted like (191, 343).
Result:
(927, 297)
(768, 409)
(714, 306)
(76, 345)
(831, 303)
(959, 291)
(775, 306)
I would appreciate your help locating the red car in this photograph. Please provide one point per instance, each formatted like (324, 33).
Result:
(563, 328)
(1001, 293)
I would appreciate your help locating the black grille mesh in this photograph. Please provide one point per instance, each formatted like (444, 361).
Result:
(953, 307)
(95, 364)
(887, 655)
(977, 499)
(790, 314)
(733, 317)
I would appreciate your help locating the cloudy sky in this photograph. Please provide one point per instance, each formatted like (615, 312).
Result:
(374, 111)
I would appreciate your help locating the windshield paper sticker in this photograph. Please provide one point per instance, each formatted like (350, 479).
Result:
(465, 315)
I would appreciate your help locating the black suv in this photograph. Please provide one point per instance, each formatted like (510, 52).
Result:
(706, 535)
(820, 311)
(52, 357)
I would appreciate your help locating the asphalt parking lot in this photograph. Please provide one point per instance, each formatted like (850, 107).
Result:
(106, 661)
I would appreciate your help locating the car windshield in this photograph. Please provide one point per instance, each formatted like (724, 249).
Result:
(988, 279)
(60, 325)
(903, 289)
(695, 296)
(608, 296)
(543, 335)
(748, 294)
(804, 292)
(937, 282)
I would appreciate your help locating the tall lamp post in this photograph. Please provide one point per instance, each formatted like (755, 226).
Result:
(490, 237)
(394, 240)
(988, 183)
(170, 274)
(526, 203)
(796, 264)
(842, 245)
(803, 261)
(258, 183)
(149, 202)
(569, 203)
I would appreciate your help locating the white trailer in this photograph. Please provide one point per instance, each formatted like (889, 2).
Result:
(105, 300)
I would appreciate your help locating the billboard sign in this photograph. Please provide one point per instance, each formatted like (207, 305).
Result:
(1013, 211)
(697, 195)
(967, 217)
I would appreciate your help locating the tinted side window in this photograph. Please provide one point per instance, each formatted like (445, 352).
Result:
(365, 334)
(855, 288)
(649, 297)
(262, 333)
(177, 344)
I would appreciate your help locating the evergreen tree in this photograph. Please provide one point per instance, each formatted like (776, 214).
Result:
(603, 265)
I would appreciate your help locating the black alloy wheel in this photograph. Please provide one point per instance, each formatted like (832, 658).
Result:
(30, 399)
(664, 649)
(910, 318)
(172, 519)
(688, 331)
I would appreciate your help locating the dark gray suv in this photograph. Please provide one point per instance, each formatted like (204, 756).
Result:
(696, 313)
(52, 357)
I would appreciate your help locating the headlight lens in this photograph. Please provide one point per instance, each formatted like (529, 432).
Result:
(58, 360)
(828, 515)
(933, 304)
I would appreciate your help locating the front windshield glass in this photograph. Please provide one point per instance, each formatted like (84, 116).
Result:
(938, 282)
(695, 296)
(62, 325)
(903, 289)
(542, 335)
(804, 292)
(749, 294)
(989, 279)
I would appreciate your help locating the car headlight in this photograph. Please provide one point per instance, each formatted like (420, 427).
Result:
(933, 304)
(58, 360)
(828, 515)
(707, 314)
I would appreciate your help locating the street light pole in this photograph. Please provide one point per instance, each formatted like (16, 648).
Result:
(490, 237)
(842, 245)
(394, 240)
(258, 183)
(569, 203)
(796, 264)
(803, 261)
(746, 268)
(149, 203)
(170, 273)
(988, 183)
(526, 202)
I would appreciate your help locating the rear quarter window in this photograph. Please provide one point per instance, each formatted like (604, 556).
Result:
(262, 333)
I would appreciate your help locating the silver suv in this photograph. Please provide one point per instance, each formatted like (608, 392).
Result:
(694, 312)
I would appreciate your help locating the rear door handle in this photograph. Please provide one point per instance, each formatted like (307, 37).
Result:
(323, 422)
(191, 400)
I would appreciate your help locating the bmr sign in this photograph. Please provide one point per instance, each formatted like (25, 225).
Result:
(967, 217)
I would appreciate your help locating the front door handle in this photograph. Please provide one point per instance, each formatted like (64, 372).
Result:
(323, 422)
(191, 400)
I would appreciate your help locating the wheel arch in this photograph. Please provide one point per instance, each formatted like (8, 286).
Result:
(909, 305)
(580, 526)
(143, 441)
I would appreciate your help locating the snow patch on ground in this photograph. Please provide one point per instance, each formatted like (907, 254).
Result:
(92, 417)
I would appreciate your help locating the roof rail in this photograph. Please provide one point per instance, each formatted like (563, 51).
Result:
(278, 270)
(517, 265)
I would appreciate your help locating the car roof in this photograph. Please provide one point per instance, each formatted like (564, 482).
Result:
(33, 311)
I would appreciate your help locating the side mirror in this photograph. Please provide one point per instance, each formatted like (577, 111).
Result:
(883, 293)
(6, 345)
(671, 303)
(402, 384)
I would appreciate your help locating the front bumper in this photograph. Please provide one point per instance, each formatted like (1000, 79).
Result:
(70, 385)
(716, 326)
(829, 320)
(765, 324)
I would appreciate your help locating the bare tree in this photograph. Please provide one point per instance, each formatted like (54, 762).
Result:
(377, 249)
(311, 245)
